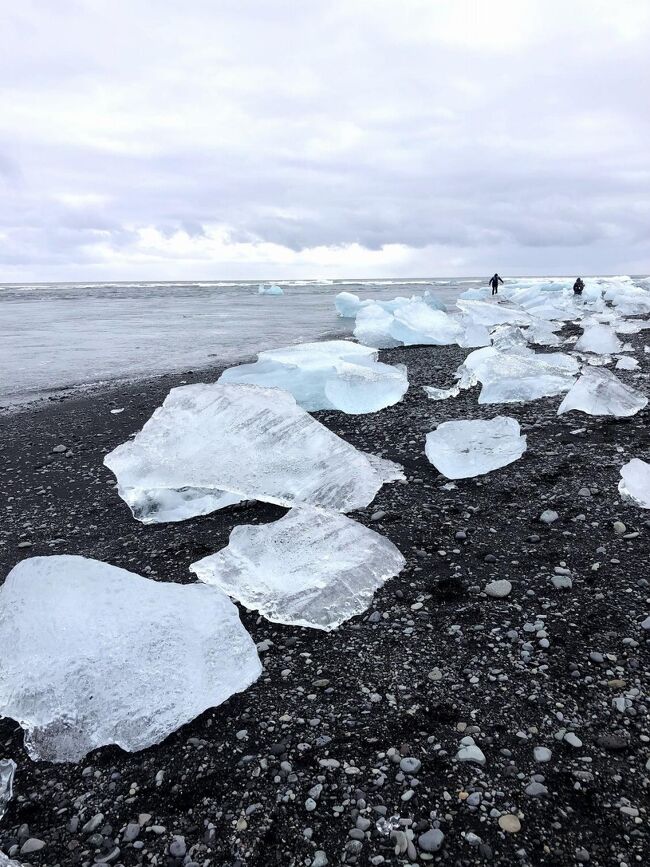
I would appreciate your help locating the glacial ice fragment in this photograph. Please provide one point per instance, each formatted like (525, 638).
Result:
(441, 393)
(271, 289)
(311, 568)
(599, 392)
(466, 448)
(417, 323)
(372, 327)
(330, 374)
(635, 483)
(7, 771)
(489, 313)
(209, 446)
(626, 363)
(95, 655)
(347, 305)
(598, 338)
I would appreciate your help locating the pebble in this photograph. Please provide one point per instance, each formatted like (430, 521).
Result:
(572, 739)
(431, 841)
(542, 754)
(32, 845)
(410, 765)
(509, 823)
(619, 528)
(319, 859)
(469, 752)
(177, 847)
(435, 674)
(562, 582)
(59, 449)
(498, 589)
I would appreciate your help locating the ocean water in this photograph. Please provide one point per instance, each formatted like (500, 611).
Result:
(64, 335)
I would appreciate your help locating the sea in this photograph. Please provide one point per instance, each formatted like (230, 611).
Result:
(58, 337)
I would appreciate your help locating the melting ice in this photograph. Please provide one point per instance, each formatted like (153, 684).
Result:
(472, 447)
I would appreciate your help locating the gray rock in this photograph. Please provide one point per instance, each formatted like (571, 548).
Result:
(177, 847)
(131, 832)
(536, 790)
(562, 582)
(431, 841)
(32, 845)
(59, 449)
(548, 516)
(410, 765)
(542, 754)
(498, 589)
(319, 859)
(93, 824)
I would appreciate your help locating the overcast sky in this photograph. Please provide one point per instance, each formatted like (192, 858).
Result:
(217, 139)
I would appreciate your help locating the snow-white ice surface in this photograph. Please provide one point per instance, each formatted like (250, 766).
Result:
(517, 375)
(600, 392)
(472, 447)
(331, 374)
(490, 313)
(270, 289)
(627, 363)
(209, 446)
(635, 483)
(311, 568)
(372, 327)
(7, 771)
(95, 655)
(598, 338)
(417, 323)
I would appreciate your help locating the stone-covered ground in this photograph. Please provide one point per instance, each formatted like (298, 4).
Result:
(344, 752)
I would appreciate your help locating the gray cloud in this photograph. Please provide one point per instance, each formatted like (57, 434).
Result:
(244, 138)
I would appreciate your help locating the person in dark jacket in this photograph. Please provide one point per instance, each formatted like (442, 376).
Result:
(494, 283)
(578, 286)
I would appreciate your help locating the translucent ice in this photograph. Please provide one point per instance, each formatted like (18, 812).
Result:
(271, 289)
(489, 313)
(635, 483)
(96, 655)
(331, 374)
(626, 363)
(441, 393)
(417, 323)
(599, 392)
(517, 375)
(373, 327)
(347, 305)
(462, 449)
(209, 446)
(311, 568)
(7, 770)
(598, 338)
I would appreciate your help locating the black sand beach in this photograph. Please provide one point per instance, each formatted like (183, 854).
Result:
(304, 767)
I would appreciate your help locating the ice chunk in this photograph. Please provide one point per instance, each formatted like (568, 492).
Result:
(635, 483)
(473, 335)
(429, 298)
(271, 289)
(598, 338)
(347, 305)
(331, 374)
(599, 392)
(311, 568)
(627, 363)
(517, 375)
(209, 446)
(373, 326)
(505, 337)
(462, 449)
(490, 313)
(7, 771)
(416, 323)
(441, 393)
(542, 332)
(95, 655)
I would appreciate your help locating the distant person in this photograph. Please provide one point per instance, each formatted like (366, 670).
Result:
(578, 286)
(494, 283)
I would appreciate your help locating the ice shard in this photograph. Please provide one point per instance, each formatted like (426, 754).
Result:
(96, 655)
(626, 363)
(417, 323)
(209, 446)
(7, 771)
(635, 483)
(599, 392)
(311, 568)
(271, 289)
(598, 338)
(473, 447)
(373, 327)
(330, 374)
(489, 313)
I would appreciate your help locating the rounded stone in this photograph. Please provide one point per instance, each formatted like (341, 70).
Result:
(498, 589)
(509, 823)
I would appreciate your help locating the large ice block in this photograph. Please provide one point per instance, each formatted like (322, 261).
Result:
(635, 483)
(490, 313)
(472, 447)
(417, 323)
(599, 392)
(373, 327)
(331, 374)
(95, 655)
(311, 568)
(598, 338)
(209, 446)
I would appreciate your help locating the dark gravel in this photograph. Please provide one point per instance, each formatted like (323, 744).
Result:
(307, 764)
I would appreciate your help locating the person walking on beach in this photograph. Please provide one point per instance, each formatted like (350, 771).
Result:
(578, 286)
(494, 283)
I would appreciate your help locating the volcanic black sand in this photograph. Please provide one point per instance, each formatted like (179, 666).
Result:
(304, 767)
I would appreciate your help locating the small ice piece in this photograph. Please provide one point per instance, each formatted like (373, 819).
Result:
(626, 363)
(416, 323)
(311, 568)
(7, 771)
(96, 655)
(598, 338)
(462, 449)
(347, 305)
(543, 333)
(271, 289)
(469, 752)
(209, 446)
(599, 392)
(329, 374)
(635, 483)
(441, 393)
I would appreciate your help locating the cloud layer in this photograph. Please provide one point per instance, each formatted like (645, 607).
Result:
(269, 138)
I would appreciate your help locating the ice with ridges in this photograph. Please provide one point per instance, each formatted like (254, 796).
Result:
(95, 655)
(473, 447)
(635, 483)
(209, 446)
(600, 392)
(311, 568)
(331, 374)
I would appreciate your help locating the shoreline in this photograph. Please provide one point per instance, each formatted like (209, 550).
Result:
(433, 660)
